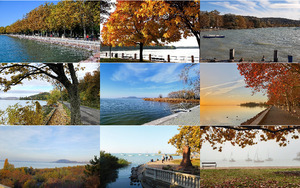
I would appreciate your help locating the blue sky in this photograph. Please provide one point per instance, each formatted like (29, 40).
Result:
(140, 79)
(11, 11)
(36, 86)
(137, 139)
(259, 8)
(49, 143)
(222, 84)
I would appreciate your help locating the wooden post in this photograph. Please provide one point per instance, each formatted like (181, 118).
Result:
(192, 59)
(169, 59)
(290, 58)
(122, 55)
(106, 54)
(149, 57)
(275, 56)
(134, 56)
(231, 55)
(112, 54)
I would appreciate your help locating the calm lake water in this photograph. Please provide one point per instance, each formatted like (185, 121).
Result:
(243, 163)
(252, 44)
(135, 159)
(5, 103)
(35, 164)
(227, 115)
(132, 111)
(176, 55)
(23, 50)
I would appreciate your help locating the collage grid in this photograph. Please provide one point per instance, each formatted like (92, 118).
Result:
(249, 90)
(110, 106)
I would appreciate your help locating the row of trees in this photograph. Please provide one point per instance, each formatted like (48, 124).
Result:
(280, 81)
(213, 19)
(68, 18)
(183, 94)
(147, 23)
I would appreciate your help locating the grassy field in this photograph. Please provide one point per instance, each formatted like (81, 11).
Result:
(250, 177)
(195, 162)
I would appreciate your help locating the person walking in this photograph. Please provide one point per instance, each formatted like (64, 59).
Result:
(87, 37)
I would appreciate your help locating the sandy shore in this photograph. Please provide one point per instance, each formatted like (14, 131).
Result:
(181, 118)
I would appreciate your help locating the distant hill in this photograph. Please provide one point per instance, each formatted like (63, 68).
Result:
(40, 96)
(65, 161)
(130, 97)
(9, 98)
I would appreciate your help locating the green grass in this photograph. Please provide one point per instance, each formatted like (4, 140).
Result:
(195, 162)
(67, 110)
(249, 178)
(120, 60)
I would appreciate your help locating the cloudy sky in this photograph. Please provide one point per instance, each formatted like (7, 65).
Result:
(259, 8)
(137, 139)
(222, 84)
(140, 79)
(42, 143)
(36, 86)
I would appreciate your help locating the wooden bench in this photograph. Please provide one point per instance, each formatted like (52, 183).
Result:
(209, 164)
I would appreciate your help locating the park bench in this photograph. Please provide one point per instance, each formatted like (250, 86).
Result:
(209, 164)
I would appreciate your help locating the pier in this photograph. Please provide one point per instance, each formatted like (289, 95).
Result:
(172, 178)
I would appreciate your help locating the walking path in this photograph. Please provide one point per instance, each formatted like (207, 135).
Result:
(159, 164)
(59, 117)
(276, 116)
(181, 118)
(89, 116)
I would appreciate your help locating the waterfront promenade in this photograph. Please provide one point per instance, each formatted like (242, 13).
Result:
(277, 116)
(181, 118)
(92, 46)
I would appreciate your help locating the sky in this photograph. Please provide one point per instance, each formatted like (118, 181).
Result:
(36, 86)
(221, 84)
(137, 139)
(260, 8)
(11, 11)
(140, 79)
(262, 148)
(49, 143)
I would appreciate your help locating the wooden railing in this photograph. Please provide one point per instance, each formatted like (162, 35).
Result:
(151, 57)
(173, 178)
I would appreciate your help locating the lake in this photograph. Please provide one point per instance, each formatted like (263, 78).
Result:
(243, 163)
(36, 164)
(252, 44)
(23, 50)
(227, 115)
(134, 111)
(5, 103)
(176, 55)
(135, 159)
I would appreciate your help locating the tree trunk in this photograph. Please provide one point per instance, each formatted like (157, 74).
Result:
(186, 163)
(141, 52)
(75, 104)
(198, 41)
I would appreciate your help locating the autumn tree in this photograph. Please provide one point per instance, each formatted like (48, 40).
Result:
(139, 23)
(89, 88)
(190, 75)
(65, 73)
(188, 135)
(243, 136)
(54, 96)
(92, 172)
(280, 81)
(105, 7)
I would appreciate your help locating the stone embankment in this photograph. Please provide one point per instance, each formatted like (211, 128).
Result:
(93, 46)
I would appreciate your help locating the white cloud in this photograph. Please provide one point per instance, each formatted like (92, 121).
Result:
(219, 89)
(166, 74)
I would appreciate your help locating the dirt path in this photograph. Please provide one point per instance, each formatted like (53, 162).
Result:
(276, 116)
(59, 117)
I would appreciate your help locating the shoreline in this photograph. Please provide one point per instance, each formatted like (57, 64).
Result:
(252, 167)
(175, 119)
(91, 46)
(172, 100)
